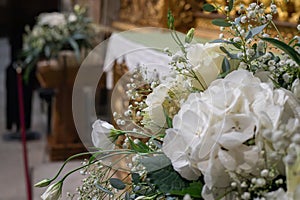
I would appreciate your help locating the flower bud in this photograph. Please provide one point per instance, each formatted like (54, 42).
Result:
(53, 192)
(43, 183)
(189, 36)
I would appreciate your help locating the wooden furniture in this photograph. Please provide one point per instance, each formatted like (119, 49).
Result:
(60, 74)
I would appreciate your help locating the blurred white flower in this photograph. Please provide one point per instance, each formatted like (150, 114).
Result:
(52, 19)
(72, 17)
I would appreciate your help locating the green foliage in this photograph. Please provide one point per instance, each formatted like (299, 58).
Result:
(230, 5)
(117, 183)
(168, 119)
(135, 177)
(45, 40)
(284, 47)
(255, 31)
(225, 65)
(208, 7)
(231, 55)
(167, 180)
(100, 187)
(155, 163)
(221, 22)
(194, 190)
(139, 147)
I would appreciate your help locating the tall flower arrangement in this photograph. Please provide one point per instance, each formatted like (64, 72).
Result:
(224, 125)
(54, 32)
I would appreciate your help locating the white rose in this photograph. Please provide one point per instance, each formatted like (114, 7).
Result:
(206, 61)
(100, 135)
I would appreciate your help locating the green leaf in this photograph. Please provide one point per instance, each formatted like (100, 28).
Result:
(75, 47)
(167, 180)
(140, 147)
(194, 190)
(225, 65)
(107, 191)
(79, 36)
(230, 5)
(135, 178)
(255, 31)
(232, 56)
(221, 41)
(155, 163)
(221, 22)
(117, 183)
(168, 119)
(284, 47)
(208, 7)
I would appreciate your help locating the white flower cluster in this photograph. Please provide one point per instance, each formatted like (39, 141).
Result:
(220, 132)
(52, 19)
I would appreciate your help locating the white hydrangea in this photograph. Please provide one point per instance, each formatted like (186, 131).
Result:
(212, 128)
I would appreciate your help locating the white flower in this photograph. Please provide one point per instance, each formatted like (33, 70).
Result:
(182, 160)
(155, 119)
(279, 194)
(52, 19)
(53, 192)
(157, 108)
(244, 19)
(72, 17)
(206, 61)
(296, 88)
(100, 135)
(187, 197)
(212, 128)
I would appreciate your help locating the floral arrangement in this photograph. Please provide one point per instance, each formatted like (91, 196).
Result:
(54, 32)
(224, 125)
